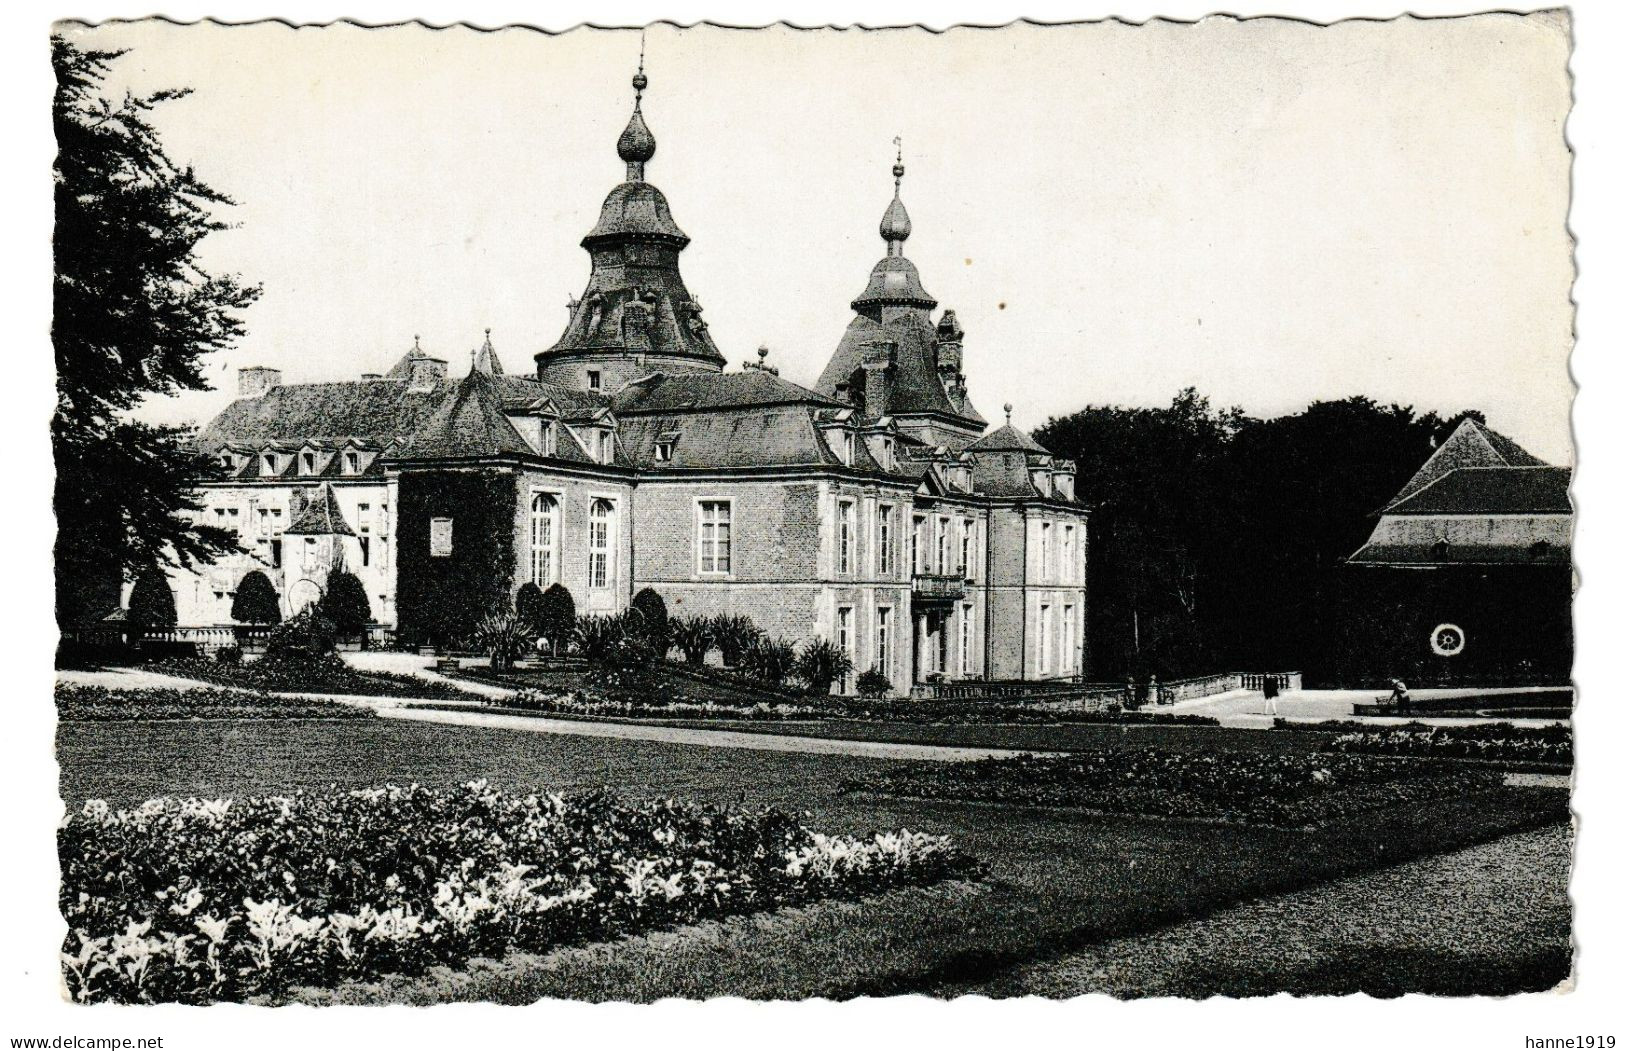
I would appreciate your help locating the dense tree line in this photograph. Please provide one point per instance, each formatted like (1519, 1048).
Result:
(1217, 539)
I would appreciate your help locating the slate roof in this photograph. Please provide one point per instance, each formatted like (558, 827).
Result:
(1380, 553)
(1491, 491)
(468, 423)
(915, 387)
(1007, 439)
(1469, 445)
(701, 392)
(376, 411)
(321, 516)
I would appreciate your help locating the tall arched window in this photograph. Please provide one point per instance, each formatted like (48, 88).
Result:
(544, 539)
(601, 544)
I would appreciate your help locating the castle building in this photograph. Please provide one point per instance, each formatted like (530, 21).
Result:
(875, 509)
(1467, 577)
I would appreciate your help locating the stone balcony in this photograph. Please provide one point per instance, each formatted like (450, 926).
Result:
(939, 587)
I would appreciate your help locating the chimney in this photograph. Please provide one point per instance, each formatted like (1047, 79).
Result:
(426, 374)
(878, 356)
(256, 380)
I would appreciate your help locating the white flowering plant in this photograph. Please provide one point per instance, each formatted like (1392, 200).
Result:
(200, 900)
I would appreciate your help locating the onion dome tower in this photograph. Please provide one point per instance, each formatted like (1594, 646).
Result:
(894, 360)
(636, 315)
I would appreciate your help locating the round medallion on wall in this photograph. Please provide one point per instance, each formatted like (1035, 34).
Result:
(1448, 640)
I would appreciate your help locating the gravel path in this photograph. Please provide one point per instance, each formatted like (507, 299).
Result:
(1494, 918)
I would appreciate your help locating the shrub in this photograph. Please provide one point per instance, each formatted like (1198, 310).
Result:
(769, 661)
(873, 684)
(503, 637)
(556, 617)
(528, 605)
(595, 638)
(307, 637)
(653, 623)
(820, 663)
(733, 635)
(345, 604)
(228, 655)
(201, 900)
(152, 604)
(255, 601)
(100, 704)
(692, 636)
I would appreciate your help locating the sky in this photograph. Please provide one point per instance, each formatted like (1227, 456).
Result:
(1266, 210)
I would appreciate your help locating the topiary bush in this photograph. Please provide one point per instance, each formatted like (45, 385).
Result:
(653, 623)
(152, 604)
(874, 684)
(528, 605)
(820, 663)
(556, 618)
(256, 601)
(309, 636)
(345, 604)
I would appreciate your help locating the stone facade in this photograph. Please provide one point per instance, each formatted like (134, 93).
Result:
(872, 511)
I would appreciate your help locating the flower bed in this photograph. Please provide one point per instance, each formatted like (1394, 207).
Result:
(1495, 742)
(1280, 790)
(590, 703)
(201, 900)
(100, 704)
(327, 674)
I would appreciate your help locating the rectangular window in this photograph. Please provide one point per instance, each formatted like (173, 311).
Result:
(1043, 639)
(1069, 637)
(967, 638)
(363, 515)
(439, 537)
(716, 536)
(1043, 550)
(352, 463)
(366, 550)
(967, 531)
(1068, 559)
(843, 636)
(262, 524)
(883, 540)
(276, 553)
(311, 561)
(307, 463)
(843, 547)
(883, 640)
(663, 451)
(595, 379)
(600, 543)
(942, 564)
(917, 550)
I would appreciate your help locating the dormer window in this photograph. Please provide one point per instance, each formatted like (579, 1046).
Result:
(1041, 481)
(606, 445)
(595, 380)
(548, 439)
(352, 463)
(1540, 549)
(665, 447)
(268, 463)
(307, 463)
(843, 446)
(1440, 550)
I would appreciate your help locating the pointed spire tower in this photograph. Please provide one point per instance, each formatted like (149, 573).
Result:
(893, 360)
(636, 315)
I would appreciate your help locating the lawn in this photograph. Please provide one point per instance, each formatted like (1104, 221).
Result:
(1058, 880)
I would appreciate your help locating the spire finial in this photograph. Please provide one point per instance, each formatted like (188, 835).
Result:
(1007, 408)
(897, 169)
(894, 225)
(636, 145)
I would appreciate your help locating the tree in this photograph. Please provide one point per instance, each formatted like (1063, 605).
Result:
(152, 604)
(134, 315)
(345, 604)
(256, 601)
(556, 618)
